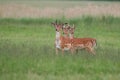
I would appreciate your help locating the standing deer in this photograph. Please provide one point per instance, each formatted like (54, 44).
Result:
(82, 43)
(61, 42)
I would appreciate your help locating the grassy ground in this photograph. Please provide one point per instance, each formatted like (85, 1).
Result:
(27, 50)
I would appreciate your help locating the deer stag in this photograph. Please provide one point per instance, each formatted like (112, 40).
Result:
(61, 42)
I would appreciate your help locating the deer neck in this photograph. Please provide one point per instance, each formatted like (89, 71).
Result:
(71, 36)
(66, 35)
(58, 34)
(58, 41)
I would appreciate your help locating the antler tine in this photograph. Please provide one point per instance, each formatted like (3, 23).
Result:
(56, 22)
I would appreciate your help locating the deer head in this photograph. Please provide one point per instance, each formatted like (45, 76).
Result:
(72, 30)
(57, 26)
(65, 29)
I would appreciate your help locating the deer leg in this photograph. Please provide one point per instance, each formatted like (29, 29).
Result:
(72, 50)
(76, 50)
(92, 50)
(89, 49)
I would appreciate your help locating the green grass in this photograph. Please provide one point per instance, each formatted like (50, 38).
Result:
(27, 50)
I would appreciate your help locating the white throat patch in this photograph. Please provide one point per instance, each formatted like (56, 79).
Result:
(57, 34)
(58, 42)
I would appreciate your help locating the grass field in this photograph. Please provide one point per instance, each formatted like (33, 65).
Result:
(27, 50)
(27, 40)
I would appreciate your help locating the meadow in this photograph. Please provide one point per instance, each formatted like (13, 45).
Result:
(27, 48)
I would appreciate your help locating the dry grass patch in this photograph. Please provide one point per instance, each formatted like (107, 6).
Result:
(69, 10)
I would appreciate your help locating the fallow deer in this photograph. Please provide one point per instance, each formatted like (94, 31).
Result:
(82, 43)
(61, 42)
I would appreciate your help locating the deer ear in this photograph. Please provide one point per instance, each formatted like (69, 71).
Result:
(52, 23)
(56, 21)
(65, 23)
